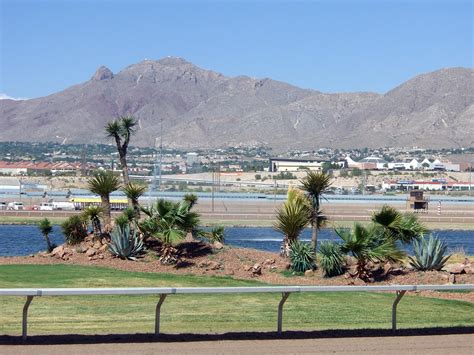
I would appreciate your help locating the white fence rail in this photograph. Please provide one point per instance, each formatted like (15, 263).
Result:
(163, 292)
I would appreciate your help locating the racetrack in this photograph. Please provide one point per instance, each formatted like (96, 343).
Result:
(427, 344)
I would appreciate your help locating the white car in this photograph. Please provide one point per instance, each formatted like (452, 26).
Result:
(46, 206)
(15, 206)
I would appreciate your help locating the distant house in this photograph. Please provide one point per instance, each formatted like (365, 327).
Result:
(292, 165)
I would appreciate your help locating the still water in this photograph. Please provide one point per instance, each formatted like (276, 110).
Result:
(16, 240)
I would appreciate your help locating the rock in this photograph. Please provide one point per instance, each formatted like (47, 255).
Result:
(269, 262)
(97, 245)
(452, 279)
(257, 269)
(65, 257)
(357, 282)
(309, 273)
(445, 277)
(247, 267)
(229, 273)
(90, 252)
(101, 256)
(103, 248)
(273, 268)
(56, 251)
(103, 73)
(455, 268)
(467, 261)
(468, 269)
(213, 265)
(217, 245)
(387, 268)
(203, 264)
(287, 266)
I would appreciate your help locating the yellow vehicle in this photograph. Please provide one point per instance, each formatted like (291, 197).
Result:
(116, 204)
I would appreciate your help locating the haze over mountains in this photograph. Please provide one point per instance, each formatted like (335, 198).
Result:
(202, 108)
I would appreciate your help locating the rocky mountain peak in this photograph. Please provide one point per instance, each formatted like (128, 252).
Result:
(103, 73)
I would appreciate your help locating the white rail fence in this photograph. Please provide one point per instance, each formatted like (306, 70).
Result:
(163, 292)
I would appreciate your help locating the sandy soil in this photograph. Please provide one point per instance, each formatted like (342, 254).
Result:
(439, 344)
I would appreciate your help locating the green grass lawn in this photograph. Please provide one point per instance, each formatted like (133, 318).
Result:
(202, 313)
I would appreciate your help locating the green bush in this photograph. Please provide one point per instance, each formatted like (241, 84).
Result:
(331, 259)
(74, 230)
(302, 256)
(429, 254)
(125, 243)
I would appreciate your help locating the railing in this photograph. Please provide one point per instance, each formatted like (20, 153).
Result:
(163, 292)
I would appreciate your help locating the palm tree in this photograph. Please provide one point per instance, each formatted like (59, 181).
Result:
(368, 244)
(46, 228)
(292, 218)
(92, 214)
(315, 184)
(121, 129)
(103, 183)
(133, 193)
(191, 199)
(169, 222)
(397, 226)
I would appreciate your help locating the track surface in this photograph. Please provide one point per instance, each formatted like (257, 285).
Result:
(435, 344)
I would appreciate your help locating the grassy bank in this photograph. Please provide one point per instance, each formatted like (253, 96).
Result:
(202, 313)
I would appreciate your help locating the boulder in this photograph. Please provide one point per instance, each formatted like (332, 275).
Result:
(90, 252)
(103, 248)
(214, 265)
(97, 245)
(309, 273)
(247, 267)
(455, 268)
(257, 269)
(217, 245)
(58, 250)
(269, 262)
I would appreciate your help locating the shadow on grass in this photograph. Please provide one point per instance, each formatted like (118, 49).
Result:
(190, 337)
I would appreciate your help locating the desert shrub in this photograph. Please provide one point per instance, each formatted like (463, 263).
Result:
(125, 243)
(216, 234)
(331, 259)
(429, 254)
(74, 230)
(302, 256)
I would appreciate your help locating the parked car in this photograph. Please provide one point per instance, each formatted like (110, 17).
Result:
(46, 206)
(15, 206)
(3, 205)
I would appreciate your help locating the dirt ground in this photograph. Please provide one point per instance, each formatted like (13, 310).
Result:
(432, 344)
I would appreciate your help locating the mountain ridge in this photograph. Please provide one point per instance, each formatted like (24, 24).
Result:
(203, 109)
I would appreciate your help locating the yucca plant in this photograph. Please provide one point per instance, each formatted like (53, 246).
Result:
(216, 234)
(92, 214)
(302, 256)
(331, 259)
(46, 228)
(121, 221)
(292, 218)
(429, 254)
(125, 243)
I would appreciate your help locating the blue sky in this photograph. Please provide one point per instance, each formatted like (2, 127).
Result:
(332, 46)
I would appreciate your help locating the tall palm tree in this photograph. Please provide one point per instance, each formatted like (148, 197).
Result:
(292, 218)
(121, 129)
(103, 183)
(46, 228)
(397, 226)
(92, 214)
(133, 193)
(315, 184)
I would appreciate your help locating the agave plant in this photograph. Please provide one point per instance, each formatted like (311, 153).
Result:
(331, 258)
(302, 256)
(429, 254)
(125, 243)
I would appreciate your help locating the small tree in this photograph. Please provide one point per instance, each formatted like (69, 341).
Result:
(103, 183)
(92, 214)
(133, 193)
(46, 228)
(315, 184)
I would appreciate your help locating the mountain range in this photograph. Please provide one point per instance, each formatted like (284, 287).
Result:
(200, 108)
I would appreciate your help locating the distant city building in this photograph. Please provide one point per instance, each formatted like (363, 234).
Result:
(292, 165)
(192, 158)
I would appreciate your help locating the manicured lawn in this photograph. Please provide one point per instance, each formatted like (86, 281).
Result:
(201, 313)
